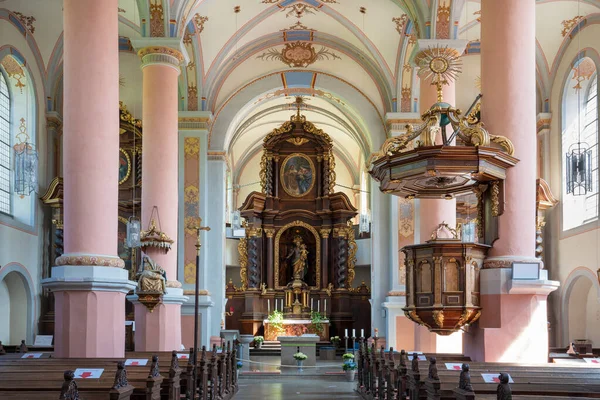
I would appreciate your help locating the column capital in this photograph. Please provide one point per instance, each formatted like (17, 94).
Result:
(195, 120)
(54, 120)
(457, 44)
(396, 122)
(543, 122)
(165, 51)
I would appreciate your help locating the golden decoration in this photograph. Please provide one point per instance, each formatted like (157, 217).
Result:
(14, 70)
(26, 21)
(199, 21)
(568, 24)
(299, 54)
(189, 271)
(440, 64)
(479, 190)
(325, 233)
(438, 317)
(243, 252)
(191, 194)
(160, 50)
(270, 232)
(125, 116)
(263, 172)
(156, 19)
(93, 260)
(153, 237)
(400, 23)
(254, 232)
(317, 255)
(495, 197)
(128, 173)
(190, 222)
(329, 289)
(282, 173)
(191, 147)
(352, 249)
(297, 141)
(298, 26)
(455, 234)
(297, 10)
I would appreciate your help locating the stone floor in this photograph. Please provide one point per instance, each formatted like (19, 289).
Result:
(285, 387)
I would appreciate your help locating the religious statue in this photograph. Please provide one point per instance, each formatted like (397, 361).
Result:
(2, 351)
(120, 376)
(433, 372)
(69, 389)
(299, 257)
(415, 363)
(23, 348)
(504, 392)
(464, 382)
(153, 278)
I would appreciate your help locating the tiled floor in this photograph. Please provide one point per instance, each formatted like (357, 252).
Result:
(284, 388)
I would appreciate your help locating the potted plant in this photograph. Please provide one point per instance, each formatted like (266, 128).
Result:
(350, 369)
(239, 366)
(300, 357)
(258, 341)
(348, 358)
(335, 340)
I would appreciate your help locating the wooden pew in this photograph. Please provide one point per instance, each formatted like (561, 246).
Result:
(381, 376)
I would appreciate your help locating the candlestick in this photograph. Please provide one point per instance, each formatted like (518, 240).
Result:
(268, 306)
(325, 308)
(276, 309)
(318, 305)
(353, 332)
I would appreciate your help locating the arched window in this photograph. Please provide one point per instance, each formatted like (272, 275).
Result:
(580, 125)
(4, 146)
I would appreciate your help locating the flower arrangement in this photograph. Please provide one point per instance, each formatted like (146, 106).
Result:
(259, 339)
(239, 365)
(348, 357)
(300, 356)
(349, 366)
(335, 340)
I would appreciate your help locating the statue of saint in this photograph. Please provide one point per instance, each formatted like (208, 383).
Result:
(299, 257)
(153, 278)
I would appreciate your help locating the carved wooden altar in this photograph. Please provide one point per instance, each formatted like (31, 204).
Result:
(297, 208)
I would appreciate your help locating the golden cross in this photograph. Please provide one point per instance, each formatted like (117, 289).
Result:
(199, 228)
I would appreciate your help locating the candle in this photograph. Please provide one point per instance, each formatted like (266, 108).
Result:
(346, 333)
(362, 333)
(325, 308)
(268, 306)
(353, 332)
(318, 305)
(312, 302)
(276, 305)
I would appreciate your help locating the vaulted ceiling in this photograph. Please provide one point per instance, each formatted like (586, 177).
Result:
(349, 58)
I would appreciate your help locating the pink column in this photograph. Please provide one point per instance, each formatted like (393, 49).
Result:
(161, 329)
(90, 296)
(513, 324)
(508, 85)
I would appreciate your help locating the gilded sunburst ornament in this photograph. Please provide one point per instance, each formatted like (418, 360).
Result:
(440, 64)
(299, 54)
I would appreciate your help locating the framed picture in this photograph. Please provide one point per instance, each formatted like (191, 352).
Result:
(297, 175)
(124, 166)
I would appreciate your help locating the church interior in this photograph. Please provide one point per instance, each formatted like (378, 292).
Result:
(215, 189)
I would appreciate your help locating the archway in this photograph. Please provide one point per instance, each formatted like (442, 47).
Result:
(16, 312)
(581, 307)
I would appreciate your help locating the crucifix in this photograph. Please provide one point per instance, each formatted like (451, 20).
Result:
(199, 228)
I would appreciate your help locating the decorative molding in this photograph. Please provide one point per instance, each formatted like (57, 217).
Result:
(568, 24)
(26, 21)
(270, 232)
(191, 147)
(75, 259)
(299, 54)
(400, 23)
(299, 91)
(192, 97)
(160, 55)
(298, 10)
(325, 233)
(195, 123)
(15, 71)
(298, 26)
(406, 217)
(156, 19)
(442, 27)
(199, 21)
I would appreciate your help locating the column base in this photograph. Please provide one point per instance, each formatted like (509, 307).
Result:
(514, 324)
(205, 304)
(89, 310)
(159, 330)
